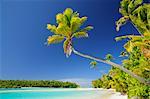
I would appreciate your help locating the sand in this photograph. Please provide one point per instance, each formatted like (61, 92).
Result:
(106, 94)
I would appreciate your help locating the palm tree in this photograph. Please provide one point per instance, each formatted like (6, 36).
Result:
(138, 14)
(69, 27)
(69, 24)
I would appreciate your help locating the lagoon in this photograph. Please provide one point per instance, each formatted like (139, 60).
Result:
(54, 93)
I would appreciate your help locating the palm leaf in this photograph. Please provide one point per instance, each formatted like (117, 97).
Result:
(75, 14)
(88, 28)
(75, 23)
(133, 37)
(124, 6)
(80, 34)
(54, 39)
(68, 12)
(93, 64)
(59, 18)
(83, 19)
(128, 46)
(148, 15)
(123, 12)
(108, 57)
(52, 28)
(133, 4)
(147, 35)
(121, 22)
(141, 44)
(68, 15)
(64, 30)
(140, 18)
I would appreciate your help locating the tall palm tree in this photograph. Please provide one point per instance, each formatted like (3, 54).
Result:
(69, 24)
(69, 27)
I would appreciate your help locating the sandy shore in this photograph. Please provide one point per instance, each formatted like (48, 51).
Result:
(98, 94)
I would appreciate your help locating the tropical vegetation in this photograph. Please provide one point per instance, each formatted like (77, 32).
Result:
(124, 83)
(69, 27)
(133, 76)
(137, 52)
(36, 83)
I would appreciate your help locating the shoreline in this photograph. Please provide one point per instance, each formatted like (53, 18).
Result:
(106, 94)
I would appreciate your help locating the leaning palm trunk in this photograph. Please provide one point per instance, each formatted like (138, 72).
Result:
(142, 80)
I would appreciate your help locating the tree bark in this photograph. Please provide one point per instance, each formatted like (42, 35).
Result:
(142, 80)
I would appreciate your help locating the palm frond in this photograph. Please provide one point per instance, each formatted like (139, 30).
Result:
(88, 28)
(68, 12)
(80, 34)
(75, 14)
(75, 23)
(64, 30)
(134, 37)
(141, 44)
(68, 15)
(59, 18)
(147, 6)
(124, 7)
(121, 22)
(52, 28)
(83, 19)
(133, 4)
(54, 39)
(140, 18)
(128, 46)
(147, 35)
(93, 64)
(109, 57)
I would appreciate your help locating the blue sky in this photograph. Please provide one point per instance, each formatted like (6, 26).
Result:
(23, 54)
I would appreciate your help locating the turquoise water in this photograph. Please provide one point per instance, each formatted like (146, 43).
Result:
(45, 93)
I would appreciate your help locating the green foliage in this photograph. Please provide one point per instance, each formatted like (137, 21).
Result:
(137, 48)
(131, 37)
(88, 28)
(55, 39)
(137, 13)
(93, 64)
(133, 41)
(124, 83)
(36, 83)
(80, 34)
(109, 57)
(97, 83)
(123, 53)
(68, 27)
(121, 22)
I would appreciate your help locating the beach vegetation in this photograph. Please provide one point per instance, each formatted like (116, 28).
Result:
(132, 77)
(36, 83)
(69, 26)
(137, 52)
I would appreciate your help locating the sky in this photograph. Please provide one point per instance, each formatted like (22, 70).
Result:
(23, 55)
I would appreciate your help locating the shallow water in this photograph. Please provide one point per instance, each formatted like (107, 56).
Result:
(49, 93)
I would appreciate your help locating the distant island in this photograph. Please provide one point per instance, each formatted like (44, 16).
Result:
(36, 83)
